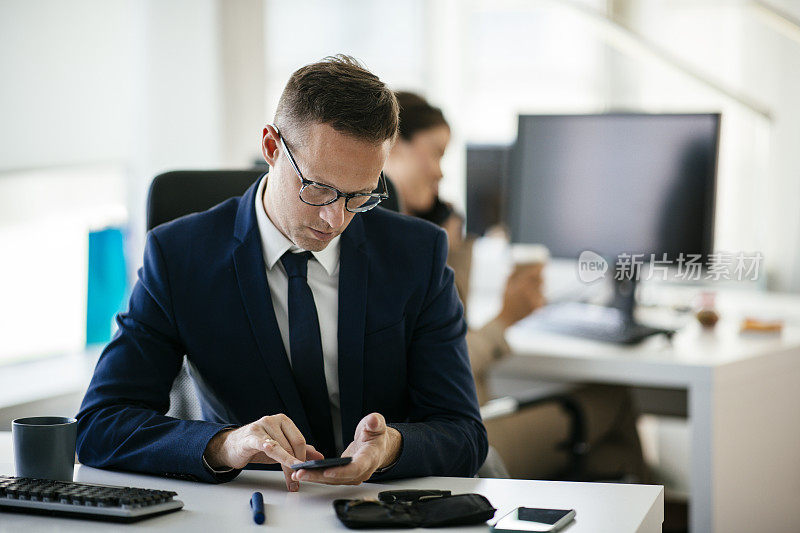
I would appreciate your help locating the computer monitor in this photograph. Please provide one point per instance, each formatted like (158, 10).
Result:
(627, 186)
(487, 172)
(616, 183)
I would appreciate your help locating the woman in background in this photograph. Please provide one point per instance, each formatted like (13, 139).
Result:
(528, 441)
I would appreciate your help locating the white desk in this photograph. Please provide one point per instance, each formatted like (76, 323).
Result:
(599, 507)
(743, 396)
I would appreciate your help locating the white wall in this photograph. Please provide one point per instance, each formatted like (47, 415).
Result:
(136, 87)
(67, 83)
(97, 97)
(771, 70)
(150, 85)
(177, 104)
(485, 62)
(735, 46)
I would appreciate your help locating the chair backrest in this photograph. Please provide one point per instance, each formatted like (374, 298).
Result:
(180, 192)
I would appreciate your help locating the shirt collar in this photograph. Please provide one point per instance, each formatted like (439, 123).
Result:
(275, 243)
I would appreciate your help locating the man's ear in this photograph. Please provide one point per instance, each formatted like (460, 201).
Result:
(269, 144)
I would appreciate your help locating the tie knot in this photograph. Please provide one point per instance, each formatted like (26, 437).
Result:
(296, 265)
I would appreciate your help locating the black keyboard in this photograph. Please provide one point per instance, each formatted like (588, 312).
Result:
(84, 500)
(592, 322)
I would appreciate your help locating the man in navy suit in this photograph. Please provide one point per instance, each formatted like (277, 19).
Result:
(314, 325)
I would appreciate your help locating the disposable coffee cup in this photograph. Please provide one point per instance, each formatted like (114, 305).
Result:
(44, 447)
(529, 255)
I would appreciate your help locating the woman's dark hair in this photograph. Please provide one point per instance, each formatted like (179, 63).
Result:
(416, 114)
(438, 213)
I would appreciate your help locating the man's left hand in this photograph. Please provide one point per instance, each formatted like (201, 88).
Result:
(375, 446)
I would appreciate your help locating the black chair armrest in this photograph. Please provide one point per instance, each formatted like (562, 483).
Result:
(575, 444)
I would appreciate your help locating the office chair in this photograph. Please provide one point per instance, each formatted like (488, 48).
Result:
(180, 192)
(173, 195)
(575, 444)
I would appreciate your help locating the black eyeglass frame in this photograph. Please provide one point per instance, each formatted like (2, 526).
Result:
(339, 194)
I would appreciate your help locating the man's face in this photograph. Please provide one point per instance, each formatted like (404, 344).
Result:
(325, 156)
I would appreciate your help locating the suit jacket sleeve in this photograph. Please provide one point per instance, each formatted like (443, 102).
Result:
(122, 422)
(443, 435)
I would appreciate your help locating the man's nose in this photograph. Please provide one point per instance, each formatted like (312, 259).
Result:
(333, 213)
(437, 172)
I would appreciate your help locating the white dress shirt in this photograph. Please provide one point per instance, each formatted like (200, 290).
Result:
(323, 279)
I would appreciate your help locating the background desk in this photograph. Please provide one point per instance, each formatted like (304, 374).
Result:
(599, 507)
(743, 396)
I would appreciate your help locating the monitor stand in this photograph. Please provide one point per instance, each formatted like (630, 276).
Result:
(624, 296)
(614, 323)
(624, 301)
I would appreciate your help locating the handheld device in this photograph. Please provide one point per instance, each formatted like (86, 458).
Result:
(534, 519)
(323, 463)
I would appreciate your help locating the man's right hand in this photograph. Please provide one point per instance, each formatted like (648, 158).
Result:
(269, 440)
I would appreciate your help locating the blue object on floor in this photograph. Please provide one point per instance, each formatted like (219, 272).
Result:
(108, 283)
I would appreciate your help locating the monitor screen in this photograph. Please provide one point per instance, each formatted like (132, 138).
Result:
(614, 183)
(487, 170)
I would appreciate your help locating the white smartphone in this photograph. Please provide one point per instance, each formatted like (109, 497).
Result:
(533, 519)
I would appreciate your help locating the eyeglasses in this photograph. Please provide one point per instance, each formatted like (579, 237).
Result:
(318, 194)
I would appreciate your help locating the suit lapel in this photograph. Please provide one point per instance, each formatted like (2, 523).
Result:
(251, 276)
(353, 268)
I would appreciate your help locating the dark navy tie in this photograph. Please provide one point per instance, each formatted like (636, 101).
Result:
(306, 354)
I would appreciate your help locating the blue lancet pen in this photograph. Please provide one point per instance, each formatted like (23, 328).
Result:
(257, 505)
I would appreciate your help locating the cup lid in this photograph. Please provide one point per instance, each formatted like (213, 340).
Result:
(529, 253)
(44, 421)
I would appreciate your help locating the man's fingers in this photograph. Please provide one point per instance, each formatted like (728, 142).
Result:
(374, 423)
(292, 485)
(262, 459)
(351, 474)
(272, 439)
(371, 427)
(278, 437)
(294, 438)
(312, 454)
(351, 471)
(271, 448)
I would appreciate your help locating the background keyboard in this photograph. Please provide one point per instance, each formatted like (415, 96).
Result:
(591, 322)
(84, 500)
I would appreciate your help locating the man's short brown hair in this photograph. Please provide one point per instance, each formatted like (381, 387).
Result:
(340, 92)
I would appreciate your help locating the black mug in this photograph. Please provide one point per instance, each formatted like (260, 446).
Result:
(44, 447)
